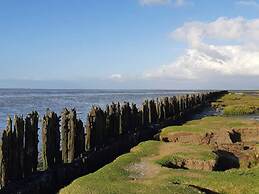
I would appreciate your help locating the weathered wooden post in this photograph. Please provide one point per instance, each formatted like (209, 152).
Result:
(161, 110)
(112, 115)
(90, 130)
(80, 138)
(177, 109)
(95, 128)
(19, 131)
(171, 106)
(6, 151)
(158, 109)
(165, 102)
(64, 134)
(181, 107)
(50, 140)
(112, 122)
(72, 136)
(187, 101)
(12, 149)
(125, 118)
(145, 113)
(135, 117)
(75, 136)
(12, 153)
(31, 144)
(152, 112)
(4, 159)
(191, 101)
(100, 126)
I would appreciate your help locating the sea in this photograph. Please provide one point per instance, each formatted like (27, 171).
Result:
(23, 101)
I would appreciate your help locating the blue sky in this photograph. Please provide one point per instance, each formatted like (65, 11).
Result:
(126, 44)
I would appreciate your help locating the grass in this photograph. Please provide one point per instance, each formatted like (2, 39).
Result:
(239, 110)
(211, 123)
(238, 104)
(236, 181)
(197, 152)
(114, 178)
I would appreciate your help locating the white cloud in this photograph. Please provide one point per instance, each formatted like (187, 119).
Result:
(176, 3)
(154, 2)
(236, 29)
(116, 76)
(252, 3)
(227, 47)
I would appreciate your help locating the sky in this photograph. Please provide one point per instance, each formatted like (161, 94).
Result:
(129, 44)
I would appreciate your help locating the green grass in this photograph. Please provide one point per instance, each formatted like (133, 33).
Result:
(239, 110)
(114, 178)
(238, 104)
(237, 181)
(192, 151)
(211, 123)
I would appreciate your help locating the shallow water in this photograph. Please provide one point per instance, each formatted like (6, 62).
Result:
(250, 117)
(23, 101)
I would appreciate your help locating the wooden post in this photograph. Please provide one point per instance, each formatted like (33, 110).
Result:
(80, 138)
(145, 113)
(19, 131)
(153, 117)
(90, 130)
(31, 144)
(126, 117)
(50, 140)
(64, 134)
(95, 128)
(72, 136)
(6, 160)
(135, 117)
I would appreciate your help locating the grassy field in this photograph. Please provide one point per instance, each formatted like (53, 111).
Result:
(142, 170)
(212, 123)
(238, 104)
(153, 178)
(118, 178)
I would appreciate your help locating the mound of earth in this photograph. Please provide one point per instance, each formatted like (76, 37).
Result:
(235, 148)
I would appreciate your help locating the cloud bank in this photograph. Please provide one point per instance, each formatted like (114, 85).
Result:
(226, 47)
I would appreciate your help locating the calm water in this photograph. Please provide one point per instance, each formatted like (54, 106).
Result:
(23, 101)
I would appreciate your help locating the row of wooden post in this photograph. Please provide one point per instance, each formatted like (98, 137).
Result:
(65, 138)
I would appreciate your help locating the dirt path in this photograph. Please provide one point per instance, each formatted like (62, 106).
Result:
(147, 169)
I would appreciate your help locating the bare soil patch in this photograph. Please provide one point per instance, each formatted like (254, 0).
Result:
(235, 148)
